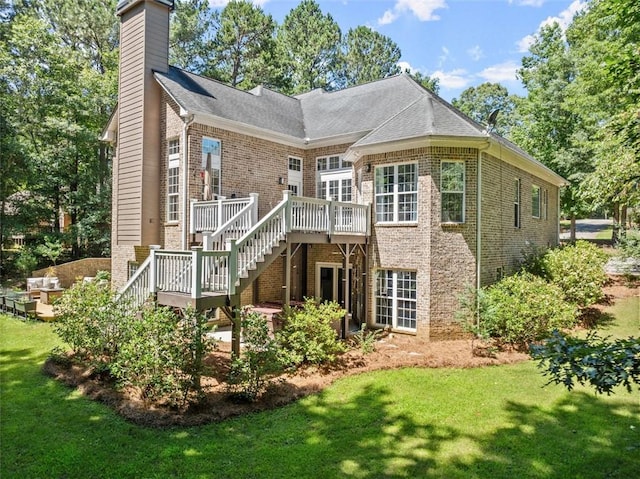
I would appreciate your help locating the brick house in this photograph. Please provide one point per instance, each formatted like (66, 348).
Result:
(381, 196)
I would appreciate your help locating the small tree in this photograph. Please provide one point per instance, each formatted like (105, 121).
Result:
(253, 372)
(50, 249)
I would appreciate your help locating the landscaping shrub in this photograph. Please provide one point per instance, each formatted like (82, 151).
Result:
(578, 269)
(252, 372)
(629, 244)
(162, 354)
(90, 322)
(518, 309)
(308, 336)
(365, 339)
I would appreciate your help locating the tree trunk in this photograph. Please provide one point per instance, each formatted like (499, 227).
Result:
(615, 235)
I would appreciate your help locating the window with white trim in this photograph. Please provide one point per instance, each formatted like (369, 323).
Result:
(334, 178)
(516, 204)
(535, 201)
(173, 179)
(452, 191)
(396, 299)
(211, 164)
(545, 204)
(396, 192)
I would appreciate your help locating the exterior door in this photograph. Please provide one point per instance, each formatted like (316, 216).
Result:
(330, 286)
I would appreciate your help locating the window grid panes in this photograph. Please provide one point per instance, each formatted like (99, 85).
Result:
(396, 299)
(173, 178)
(396, 190)
(295, 164)
(535, 201)
(452, 186)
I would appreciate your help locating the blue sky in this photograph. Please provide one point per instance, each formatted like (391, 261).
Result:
(462, 42)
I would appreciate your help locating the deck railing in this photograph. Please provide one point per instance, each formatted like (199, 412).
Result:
(218, 271)
(236, 227)
(210, 215)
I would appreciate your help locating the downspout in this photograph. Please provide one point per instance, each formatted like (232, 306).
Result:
(479, 230)
(188, 120)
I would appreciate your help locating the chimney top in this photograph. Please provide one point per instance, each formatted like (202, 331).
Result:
(124, 5)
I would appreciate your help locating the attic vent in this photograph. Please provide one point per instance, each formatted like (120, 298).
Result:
(257, 91)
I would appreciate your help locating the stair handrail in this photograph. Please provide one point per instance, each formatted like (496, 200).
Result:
(236, 226)
(138, 289)
(258, 241)
(217, 211)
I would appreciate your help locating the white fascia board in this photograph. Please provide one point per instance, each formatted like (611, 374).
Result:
(109, 134)
(420, 142)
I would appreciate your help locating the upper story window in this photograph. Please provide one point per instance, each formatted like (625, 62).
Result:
(173, 179)
(396, 193)
(334, 178)
(452, 191)
(333, 162)
(210, 171)
(535, 201)
(516, 204)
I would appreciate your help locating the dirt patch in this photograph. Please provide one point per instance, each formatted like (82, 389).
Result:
(392, 351)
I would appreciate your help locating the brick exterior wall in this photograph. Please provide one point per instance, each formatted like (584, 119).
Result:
(442, 255)
(502, 243)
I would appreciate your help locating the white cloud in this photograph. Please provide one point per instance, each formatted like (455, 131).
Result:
(531, 3)
(444, 57)
(563, 19)
(502, 72)
(475, 53)
(422, 9)
(405, 67)
(454, 79)
(387, 18)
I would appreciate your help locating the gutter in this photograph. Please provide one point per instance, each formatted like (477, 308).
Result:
(188, 120)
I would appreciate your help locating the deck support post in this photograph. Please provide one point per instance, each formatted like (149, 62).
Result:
(236, 331)
(287, 276)
(347, 292)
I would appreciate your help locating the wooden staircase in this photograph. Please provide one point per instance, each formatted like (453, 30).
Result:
(239, 251)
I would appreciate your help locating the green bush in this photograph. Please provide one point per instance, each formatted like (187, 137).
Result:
(253, 372)
(578, 269)
(629, 244)
(520, 309)
(365, 339)
(308, 336)
(26, 261)
(90, 322)
(162, 354)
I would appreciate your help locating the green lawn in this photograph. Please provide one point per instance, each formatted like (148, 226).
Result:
(497, 422)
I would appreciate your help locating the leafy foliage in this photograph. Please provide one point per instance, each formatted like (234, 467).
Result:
(518, 310)
(162, 353)
(629, 244)
(90, 322)
(578, 270)
(594, 361)
(365, 339)
(252, 372)
(308, 336)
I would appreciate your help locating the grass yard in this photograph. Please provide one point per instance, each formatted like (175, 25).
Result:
(495, 422)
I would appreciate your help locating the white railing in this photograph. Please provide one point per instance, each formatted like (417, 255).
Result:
(234, 228)
(247, 251)
(312, 215)
(138, 289)
(229, 255)
(210, 215)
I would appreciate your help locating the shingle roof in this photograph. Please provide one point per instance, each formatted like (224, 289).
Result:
(268, 110)
(385, 111)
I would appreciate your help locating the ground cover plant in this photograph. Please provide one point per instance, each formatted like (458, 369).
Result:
(497, 422)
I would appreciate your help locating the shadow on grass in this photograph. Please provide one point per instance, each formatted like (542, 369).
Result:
(592, 318)
(581, 436)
